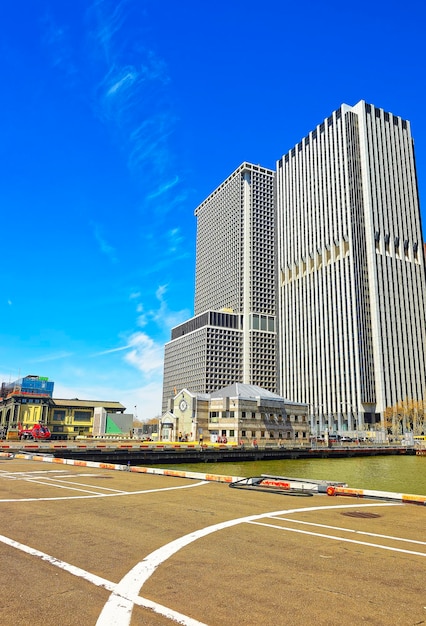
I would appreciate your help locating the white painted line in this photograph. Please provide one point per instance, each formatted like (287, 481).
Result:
(27, 475)
(75, 475)
(115, 613)
(102, 582)
(31, 477)
(53, 483)
(336, 538)
(350, 530)
(71, 569)
(37, 472)
(106, 495)
(45, 484)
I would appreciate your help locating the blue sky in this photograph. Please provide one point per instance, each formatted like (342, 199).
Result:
(119, 118)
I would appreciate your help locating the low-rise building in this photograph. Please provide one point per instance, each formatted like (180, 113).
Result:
(85, 418)
(238, 413)
(29, 401)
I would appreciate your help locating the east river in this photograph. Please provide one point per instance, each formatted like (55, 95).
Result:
(400, 474)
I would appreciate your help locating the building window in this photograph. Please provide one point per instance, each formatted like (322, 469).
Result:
(58, 416)
(82, 416)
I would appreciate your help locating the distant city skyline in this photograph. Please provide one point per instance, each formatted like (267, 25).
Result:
(119, 119)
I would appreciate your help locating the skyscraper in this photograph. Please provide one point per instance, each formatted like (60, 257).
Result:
(232, 337)
(351, 269)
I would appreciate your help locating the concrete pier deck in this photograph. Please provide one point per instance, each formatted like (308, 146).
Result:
(149, 453)
(93, 546)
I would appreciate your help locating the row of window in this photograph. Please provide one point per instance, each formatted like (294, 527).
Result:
(78, 416)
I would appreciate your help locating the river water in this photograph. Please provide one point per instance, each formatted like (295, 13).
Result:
(400, 474)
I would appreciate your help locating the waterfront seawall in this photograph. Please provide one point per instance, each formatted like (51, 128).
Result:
(155, 454)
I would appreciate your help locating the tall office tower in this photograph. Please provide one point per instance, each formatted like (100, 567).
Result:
(352, 290)
(232, 337)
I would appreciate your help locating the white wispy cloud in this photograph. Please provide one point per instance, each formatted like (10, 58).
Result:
(154, 68)
(128, 85)
(104, 246)
(52, 357)
(57, 41)
(148, 147)
(145, 354)
(124, 81)
(111, 351)
(143, 351)
(164, 316)
(163, 188)
(175, 239)
(109, 20)
(133, 99)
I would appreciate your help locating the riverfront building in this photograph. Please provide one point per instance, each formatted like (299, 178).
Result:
(29, 401)
(238, 413)
(232, 337)
(351, 269)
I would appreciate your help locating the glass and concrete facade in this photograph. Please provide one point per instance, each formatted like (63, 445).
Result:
(351, 269)
(205, 352)
(232, 337)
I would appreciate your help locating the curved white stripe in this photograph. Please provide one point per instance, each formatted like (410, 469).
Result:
(102, 582)
(115, 613)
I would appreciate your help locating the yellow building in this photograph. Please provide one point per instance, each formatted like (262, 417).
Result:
(68, 419)
(29, 401)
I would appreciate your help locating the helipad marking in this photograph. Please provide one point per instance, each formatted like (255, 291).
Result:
(117, 612)
(106, 495)
(337, 538)
(53, 483)
(102, 582)
(46, 484)
(350, 530)
(23, 475)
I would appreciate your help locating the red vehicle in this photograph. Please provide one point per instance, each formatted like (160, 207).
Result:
(38, 431)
